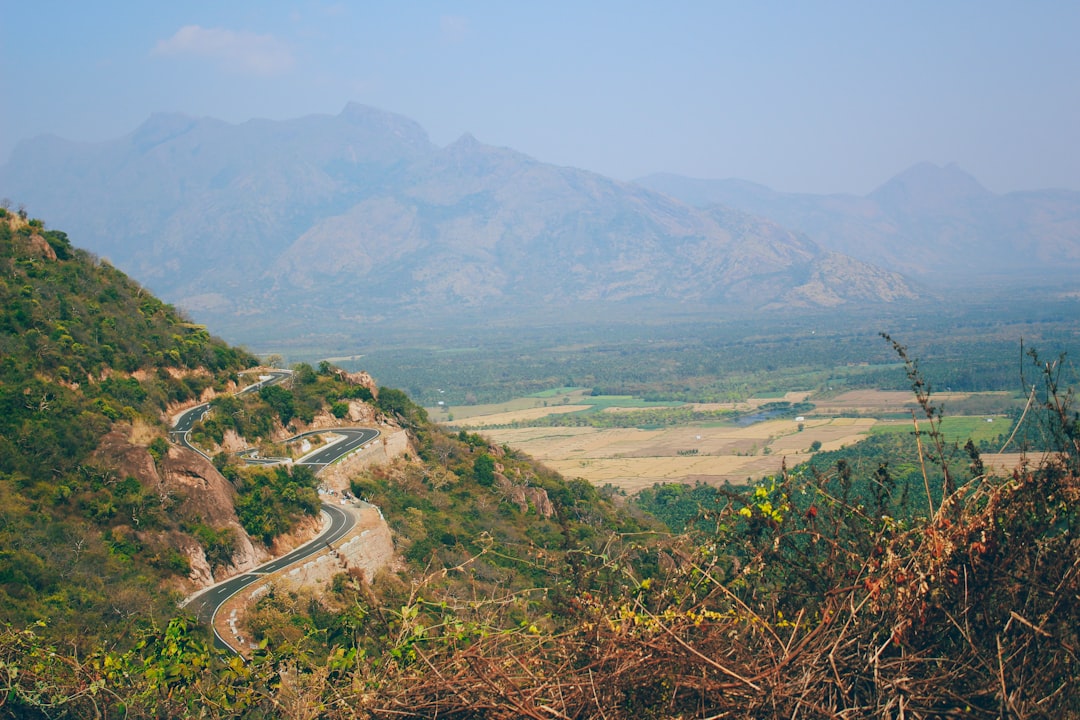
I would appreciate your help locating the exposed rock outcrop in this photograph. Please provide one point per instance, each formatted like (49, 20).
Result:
(187, 487)
(392, 443)
(40, 246)
(360, 378)
(524, 495)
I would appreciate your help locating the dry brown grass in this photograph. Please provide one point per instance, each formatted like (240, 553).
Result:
(832, 615)
(142, 432)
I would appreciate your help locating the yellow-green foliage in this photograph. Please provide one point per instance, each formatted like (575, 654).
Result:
(83, 348)
(822, 615)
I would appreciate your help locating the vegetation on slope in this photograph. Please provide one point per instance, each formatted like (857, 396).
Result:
(794, 599)
(840, 590)
(89, 354)
(84, 351)
(256, 417)
(479, 558)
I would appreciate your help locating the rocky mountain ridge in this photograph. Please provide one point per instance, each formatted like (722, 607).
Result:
(358, 217)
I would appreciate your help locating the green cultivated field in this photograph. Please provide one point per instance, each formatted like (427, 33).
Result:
(954, 429)
(558, 392)
(600, 402)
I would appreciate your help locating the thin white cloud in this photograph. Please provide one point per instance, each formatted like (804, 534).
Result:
(238, 51)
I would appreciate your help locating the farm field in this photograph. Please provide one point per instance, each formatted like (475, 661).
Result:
(632, 458)
(955, 429)
(507, 417)
(548, 402)
(552, 402)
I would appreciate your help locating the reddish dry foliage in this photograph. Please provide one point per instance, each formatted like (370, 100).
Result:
(975, 613)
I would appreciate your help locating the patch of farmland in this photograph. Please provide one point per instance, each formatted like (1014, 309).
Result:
(505, 418)
(632, 458)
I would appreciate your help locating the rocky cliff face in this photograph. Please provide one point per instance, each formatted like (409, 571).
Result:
(518, 491)
(393, 443)
(190, 488)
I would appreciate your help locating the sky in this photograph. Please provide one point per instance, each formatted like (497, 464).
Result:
(800, 96)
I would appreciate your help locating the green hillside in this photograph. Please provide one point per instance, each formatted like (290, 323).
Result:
(85, 352)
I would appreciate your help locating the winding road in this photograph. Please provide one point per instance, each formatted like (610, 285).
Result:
(181, 430)
(206, 604)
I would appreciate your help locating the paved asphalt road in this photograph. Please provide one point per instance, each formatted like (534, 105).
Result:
(352, 439)
(189, 417)
(206, 604)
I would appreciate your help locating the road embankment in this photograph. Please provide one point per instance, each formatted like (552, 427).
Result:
(365, 549)
(389, 445)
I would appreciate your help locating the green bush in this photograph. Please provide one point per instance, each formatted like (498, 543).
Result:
(484, 470)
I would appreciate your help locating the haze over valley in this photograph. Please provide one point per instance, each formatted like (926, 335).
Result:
(358, 221)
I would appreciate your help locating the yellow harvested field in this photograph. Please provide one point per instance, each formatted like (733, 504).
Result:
(505, 418)
(878, 401)
(633, 474)
(833, 434)
(631, 459)
(871, 401)
(1005, 463)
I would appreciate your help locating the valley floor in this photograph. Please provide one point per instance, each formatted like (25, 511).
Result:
(633, 458)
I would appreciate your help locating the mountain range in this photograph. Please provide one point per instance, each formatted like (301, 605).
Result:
(929, 223)
(358, 219)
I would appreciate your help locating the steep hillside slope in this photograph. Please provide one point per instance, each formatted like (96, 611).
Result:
(358, 217)
(104, 524)
(94, 527)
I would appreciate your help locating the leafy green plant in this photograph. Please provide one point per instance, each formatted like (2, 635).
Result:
(271, 501)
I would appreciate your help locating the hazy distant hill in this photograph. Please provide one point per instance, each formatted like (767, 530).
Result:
(359, 217)
(927, 221)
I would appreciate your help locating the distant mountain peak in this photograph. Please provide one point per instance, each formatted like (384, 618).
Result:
(466, 141)
(161, 127)
(926, 186)
(383, 122)
(362, 210)
(360, 113)
(481, 157)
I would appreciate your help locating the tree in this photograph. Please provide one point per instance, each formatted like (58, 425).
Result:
(304, 374)
(395, 402)
(280, 399)
(484, 470)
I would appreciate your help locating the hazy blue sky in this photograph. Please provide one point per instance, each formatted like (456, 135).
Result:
(809, 96)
